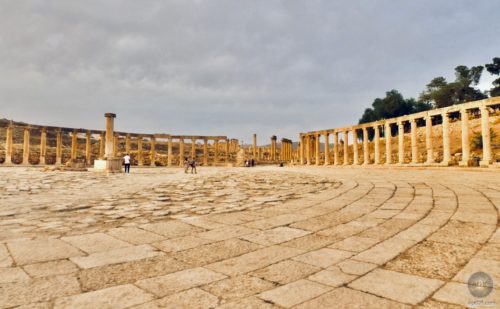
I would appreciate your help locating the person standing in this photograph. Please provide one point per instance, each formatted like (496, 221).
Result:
(126, 161)
(193, 166)
(186, 165)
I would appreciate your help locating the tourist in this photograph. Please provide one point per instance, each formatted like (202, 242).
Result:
(186, 165)
(252, 163)
(126, 162)
(193, 166)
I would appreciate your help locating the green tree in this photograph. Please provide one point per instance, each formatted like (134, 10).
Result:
(494, 68)
(440, 93)
(392, 105)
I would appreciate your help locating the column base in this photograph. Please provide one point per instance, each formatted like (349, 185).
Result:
(112, 165)
(464, 163)
(445, 163)
(484, 163)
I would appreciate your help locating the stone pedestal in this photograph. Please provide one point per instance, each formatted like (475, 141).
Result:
(112, 165)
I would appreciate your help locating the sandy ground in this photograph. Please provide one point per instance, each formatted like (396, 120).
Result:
(266, 237)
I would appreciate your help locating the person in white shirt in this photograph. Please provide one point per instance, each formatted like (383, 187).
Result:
(126, 161)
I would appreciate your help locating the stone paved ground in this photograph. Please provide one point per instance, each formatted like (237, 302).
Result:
(266, 237)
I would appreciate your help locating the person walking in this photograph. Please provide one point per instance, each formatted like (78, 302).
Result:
(126, 162)
(186, 165)
(193, 166)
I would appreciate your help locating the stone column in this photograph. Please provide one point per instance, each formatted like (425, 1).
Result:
(464, 115)
(273, 148)
(58, 147)
(301, 149)
(102, 145)
(8, 143)
(255, 146)
(446, 139)
(26, 146)
(88, 147)
(260, 153)
(486, 138)
(116, 147)
(376, 140)
(346, 147)
(355, 154)
(401, 146)
(227, 152)
(152, 152)
(193, 148)
(414, 146)
(181, 152)
(128, 142)
(74, 142)
(336, 148)
(317, 148)
(205, 152)
(428, 140)
(109, 149)
(43, 146)
(216, 151)
(388, 144)
(140, 157)
(327, 148)
(366, 154)
(169, 151)
(308, 149)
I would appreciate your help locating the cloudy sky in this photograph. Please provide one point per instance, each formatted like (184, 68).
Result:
(230, 67)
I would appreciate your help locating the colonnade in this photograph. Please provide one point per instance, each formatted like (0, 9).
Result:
(221, 148)
(286, 150)
(310, 152)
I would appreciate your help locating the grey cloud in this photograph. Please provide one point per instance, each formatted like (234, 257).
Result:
(228, 67)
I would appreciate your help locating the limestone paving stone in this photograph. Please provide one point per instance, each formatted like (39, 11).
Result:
(294, 293)
(172, 228)
(458, 294)
(354, 244)
(237, 287)
(333, 277)
(41, 250)
(323, 257)
(310, 242)
(355, 267)
(397, 286)
(181, 243)
(179, 281)
(134, 235)
(345, 298)
(225, 233)
(248, 303)
(116, 256)
(286, 271)
(122, 296)
(5, 260)
(52, 268)
(95, 242)
(463, 233)
(491, 267)
(190, 299)
(384, 251)
(274, 236)
(12, 274)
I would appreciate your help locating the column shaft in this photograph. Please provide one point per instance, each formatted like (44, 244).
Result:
(205, 152)
(193, 148)
(255, 146)
(152, 152)
(9, 136)
(335, 148)
(74, 141)
(43, 146)
(327, 148)
(401, 146)
(465, 137)
(88, 147)
(414, 146)
(227, 152)
(446, 139)
(58, 147)
(376, 140)
(486, 136)
(181, 152)
(216, 151)
(317, 148)
(102, 146)
(140, 155)
(26, 146)
(388, 143)
(428, 139)
(346, 147)
(128, 142)
(355, 155)
(366, 154)
(169, 151)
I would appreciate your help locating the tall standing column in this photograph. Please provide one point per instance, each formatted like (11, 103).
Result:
(128, 142)
(376, 140)
(26, 146)
(205, 152)
(317, 147)
(181, 152)
(88, 147)
(227, 152)
(116, 146)
(401, 146)
(273, 148)
(355, 155)
(58, 147)
(8, 144)
(301, 149)
(216, 151)
(486, 138)
(308, 149)
(193, 148)
(102, 146)
(414, 146)
(446, 139)
(388, 143)
(140, 160)
(74, 136)
(169, 151)
(346, 147)
(366, 154)
(464, 115)
(336, 148)
(110, 145)
(152, 152)
(428, 140)
(327, 148)
(255, 146)
(43, 146)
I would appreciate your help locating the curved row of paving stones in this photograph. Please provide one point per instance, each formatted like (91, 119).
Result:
(367, 238)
